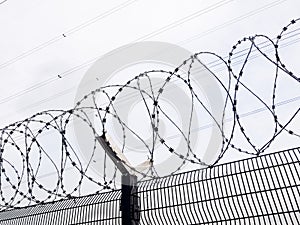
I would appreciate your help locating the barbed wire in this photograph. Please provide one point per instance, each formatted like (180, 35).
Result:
(25, 147)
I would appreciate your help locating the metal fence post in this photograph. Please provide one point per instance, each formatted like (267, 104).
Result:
(130, 206)
(129, 200)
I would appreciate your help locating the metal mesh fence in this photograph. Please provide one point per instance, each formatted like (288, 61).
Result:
(258, 190)
(90, 210)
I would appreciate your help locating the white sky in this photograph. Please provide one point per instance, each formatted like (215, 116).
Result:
(28, 24)
(33, 50)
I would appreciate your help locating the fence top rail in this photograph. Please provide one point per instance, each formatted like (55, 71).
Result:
(221, 165)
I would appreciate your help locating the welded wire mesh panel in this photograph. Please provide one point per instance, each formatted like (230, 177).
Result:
(90, 210)
(259, 190)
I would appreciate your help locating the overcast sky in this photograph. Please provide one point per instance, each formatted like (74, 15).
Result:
(34, 51)
(47, 46)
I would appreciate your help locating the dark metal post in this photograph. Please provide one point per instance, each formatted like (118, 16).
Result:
(130, 205)
(129, 200)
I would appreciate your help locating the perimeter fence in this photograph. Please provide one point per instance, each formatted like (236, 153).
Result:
(257, 190)
(263, 190)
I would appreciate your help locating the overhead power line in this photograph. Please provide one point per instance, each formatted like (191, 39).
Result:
(157, 32)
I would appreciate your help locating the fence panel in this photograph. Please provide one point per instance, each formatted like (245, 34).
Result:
(261, 190)
(90, 210)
